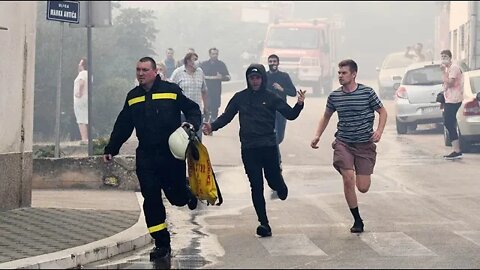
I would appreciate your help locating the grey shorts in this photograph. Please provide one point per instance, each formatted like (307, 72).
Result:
(359, 157)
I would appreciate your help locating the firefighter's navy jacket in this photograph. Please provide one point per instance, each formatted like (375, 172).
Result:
(154, 115)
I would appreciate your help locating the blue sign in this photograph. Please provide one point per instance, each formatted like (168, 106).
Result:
(63, 11)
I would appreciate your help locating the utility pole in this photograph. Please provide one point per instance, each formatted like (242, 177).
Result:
(61, 12)
(90, 76)
(59, 90)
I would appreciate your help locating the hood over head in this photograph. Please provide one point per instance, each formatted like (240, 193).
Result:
(260, 70)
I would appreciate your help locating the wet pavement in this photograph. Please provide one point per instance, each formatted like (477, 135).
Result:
(421, 211)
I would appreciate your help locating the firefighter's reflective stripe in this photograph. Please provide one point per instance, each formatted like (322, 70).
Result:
(164, 96)
(157, 228)
(154, 96)
(136, 100)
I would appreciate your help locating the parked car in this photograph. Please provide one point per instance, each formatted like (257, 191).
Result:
(468, 115)
(415, 97)
(391, 72)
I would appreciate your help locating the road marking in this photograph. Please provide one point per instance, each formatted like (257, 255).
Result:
(291, 244)
(395, 244)
(473, 236)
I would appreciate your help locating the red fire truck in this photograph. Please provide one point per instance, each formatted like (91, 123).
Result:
(306, 50)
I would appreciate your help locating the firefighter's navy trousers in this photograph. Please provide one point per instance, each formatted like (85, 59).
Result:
(157, 169)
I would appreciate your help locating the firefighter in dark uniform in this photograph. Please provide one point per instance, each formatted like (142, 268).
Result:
(153, 109)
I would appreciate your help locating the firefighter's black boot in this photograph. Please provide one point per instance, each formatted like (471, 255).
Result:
(159, 253)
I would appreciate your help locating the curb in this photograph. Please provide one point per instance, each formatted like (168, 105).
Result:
(124, 241)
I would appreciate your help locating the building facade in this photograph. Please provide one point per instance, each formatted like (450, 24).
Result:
(17, 67)
(463, 32)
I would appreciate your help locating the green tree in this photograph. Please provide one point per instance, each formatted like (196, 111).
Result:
(115, 51)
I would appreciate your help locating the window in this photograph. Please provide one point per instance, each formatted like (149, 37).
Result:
(455, 44)
(293, 38)
(429, 75)
(462, 38)
(475, 84)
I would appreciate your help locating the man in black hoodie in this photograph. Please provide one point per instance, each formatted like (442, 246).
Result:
(256, 108)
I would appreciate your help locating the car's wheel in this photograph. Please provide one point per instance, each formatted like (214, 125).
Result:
(402, 128)
(446, 137)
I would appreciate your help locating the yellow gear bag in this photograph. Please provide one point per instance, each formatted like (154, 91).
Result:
(201, 177)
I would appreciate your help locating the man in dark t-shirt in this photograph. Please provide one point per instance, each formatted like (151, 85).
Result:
(279, 82)
(215, 72)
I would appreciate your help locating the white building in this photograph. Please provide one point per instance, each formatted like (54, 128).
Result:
(463, 32)
(17, 67)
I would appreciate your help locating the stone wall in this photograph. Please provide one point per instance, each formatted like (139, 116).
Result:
(85, 172)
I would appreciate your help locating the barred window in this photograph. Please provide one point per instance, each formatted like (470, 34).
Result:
(462, 37)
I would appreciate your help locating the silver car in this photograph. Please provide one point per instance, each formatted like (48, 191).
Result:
(415, 97)
(468, 115)
(391, 72)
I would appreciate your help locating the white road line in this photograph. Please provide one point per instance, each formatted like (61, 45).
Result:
(291, 244)
(395, 244)
(473, 236)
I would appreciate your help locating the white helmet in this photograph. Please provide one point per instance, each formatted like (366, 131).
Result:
(178, 143)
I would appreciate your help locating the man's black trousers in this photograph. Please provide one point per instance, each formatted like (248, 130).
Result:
(258, 161)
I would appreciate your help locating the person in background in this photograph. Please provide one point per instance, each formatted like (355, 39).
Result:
(279, 82)
(169, 62)
(453, 92)
(161, 71)
(415, 53)
(215, 72)
(80, 100)
(180, 62)
(191, 79)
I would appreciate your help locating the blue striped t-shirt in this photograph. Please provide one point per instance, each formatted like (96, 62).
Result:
(356, 113)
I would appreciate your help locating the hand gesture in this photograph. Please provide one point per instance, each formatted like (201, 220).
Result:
(207, 128)
(301, 96)
(277, 87)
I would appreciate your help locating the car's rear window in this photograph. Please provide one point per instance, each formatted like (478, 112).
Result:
(429, 75)
(475, 84)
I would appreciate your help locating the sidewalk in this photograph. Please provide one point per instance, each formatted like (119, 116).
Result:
(67, 228)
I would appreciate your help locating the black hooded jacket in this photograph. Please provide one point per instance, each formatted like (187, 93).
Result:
(256, 111)
(154, 115)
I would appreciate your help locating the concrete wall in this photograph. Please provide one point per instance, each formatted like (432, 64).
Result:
(459, 29)
(17, 67)
(458, 14)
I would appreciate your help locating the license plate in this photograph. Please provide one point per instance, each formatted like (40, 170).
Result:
(430, 109)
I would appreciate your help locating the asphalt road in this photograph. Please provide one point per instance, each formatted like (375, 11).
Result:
(421, 211)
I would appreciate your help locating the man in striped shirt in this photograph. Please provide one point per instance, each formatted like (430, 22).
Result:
(354, 147)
